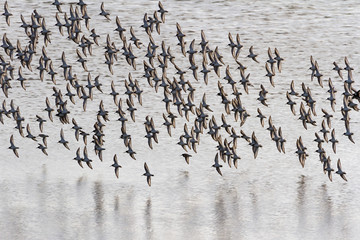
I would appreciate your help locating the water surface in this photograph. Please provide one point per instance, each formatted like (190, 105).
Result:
(267, 197)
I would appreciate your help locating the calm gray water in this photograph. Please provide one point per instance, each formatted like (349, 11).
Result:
(270, 197)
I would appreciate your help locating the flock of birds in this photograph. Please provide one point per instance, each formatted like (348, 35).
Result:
(177, 90)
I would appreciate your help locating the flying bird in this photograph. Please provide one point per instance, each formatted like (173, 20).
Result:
(13, 147)
(147, 174)
(217, 165)
(7, 14)
(340, 171)
(103, 12)
(116, 166)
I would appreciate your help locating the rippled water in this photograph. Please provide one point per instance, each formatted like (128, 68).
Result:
(270, 197)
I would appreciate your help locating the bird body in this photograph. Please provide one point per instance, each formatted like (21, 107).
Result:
(6, 13)
(340, 171)
(216, 165)
(116, 166)
(147, 174)
(13, 147)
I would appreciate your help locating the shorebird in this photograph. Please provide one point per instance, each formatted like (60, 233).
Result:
(179, 91)
(134, 38)
(317, 74)
(216, 165)
(255, 144)
(278, 59)
(271, 59)
(86, 158)
(58, 5)
(318, 139)
(116, 166)
(312, 68)
(187, 157)
(241, 67)
(281, 140)
(292, 89)
(85, 16)
(130, 151)
(162, 12)
(291, 103)
(62, 139)
(348, 133)
(301, 151)
(7, 14)
(328, 169)
(78, 158)
(13, 147)
(69, 93)
(261, 116)
(94, 36)
(225, 125)
(338, 69)
(340, 171)
(147, 174)
(114, 93)
(324, 130)
(42, 148)
(21, 79)
(76, 128)
(49, 109)
(232, 45)
(81, 60)
(347, 64)
(103, 12)
(29, 135)
(262, 96)
(41, 122)
(157, 21)
(252, 55)
(333, 140)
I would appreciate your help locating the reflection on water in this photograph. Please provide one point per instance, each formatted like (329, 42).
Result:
(225, 213)
(301, 207)
(220, 216)
(326, 211)
(99, 210)
(148, 219)
(271, 196)
(254, 203)
(116, 203)
(98, 199)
